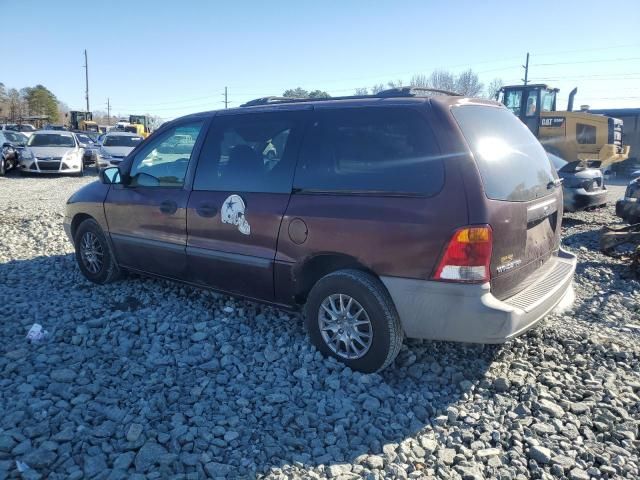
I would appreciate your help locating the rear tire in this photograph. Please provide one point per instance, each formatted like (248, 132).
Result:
(368, 341)
(3, 167)
(94, 255)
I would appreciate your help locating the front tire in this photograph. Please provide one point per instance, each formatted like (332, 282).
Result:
(350, 316)
(93, 254)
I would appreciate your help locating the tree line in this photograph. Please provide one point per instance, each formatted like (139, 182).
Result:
(465, 83)
(30, 101)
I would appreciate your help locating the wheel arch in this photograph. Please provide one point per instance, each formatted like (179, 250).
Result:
(307, 273)
(78, 218)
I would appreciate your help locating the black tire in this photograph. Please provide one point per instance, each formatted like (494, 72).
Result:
(81, 172)
(3, 168)
(371, 294)
(108, 270)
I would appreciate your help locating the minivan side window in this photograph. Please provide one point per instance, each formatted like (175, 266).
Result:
(371, 150)
(164, 160)
(250, 152)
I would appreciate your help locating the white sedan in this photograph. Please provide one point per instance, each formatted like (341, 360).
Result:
(52, 151)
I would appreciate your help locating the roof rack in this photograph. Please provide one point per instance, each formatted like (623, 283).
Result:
(268, 100)
(410, 91)
(389, 93)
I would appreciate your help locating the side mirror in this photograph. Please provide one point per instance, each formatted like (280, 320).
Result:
(111, 176)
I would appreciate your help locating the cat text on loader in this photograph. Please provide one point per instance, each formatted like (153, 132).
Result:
(567, 134)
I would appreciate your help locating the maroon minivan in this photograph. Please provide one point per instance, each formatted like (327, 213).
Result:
(383, 216)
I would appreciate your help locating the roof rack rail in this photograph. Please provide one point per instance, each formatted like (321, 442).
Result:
(268, 100)
(410, 91)
(389, 93)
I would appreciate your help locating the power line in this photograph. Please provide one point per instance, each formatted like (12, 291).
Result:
(589, 61)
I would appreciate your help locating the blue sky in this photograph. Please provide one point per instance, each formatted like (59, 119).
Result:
(173, 58)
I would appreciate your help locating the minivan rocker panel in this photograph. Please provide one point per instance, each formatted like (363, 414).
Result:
(382, 216)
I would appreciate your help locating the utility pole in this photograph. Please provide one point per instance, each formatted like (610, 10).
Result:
(226, 98)
(86, 78)
(108, 112)
(526, 70)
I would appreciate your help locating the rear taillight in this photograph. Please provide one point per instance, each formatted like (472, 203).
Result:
(467, 256)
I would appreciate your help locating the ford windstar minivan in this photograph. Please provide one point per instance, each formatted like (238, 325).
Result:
(405, 213)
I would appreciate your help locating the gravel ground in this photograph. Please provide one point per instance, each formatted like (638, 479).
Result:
(149, 379)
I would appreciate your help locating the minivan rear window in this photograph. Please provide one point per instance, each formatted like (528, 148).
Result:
(388, 150)
(512, 163)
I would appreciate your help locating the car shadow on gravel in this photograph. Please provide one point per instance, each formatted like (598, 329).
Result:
(217, 384)
(589, 239)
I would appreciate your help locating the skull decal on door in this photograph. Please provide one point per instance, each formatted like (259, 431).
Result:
(234, 212)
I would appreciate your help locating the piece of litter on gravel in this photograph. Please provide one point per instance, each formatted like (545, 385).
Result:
(36, 333)
(227, 309)
(21, 466)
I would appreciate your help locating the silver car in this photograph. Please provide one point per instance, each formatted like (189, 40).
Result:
(52, 151)
(115, 147)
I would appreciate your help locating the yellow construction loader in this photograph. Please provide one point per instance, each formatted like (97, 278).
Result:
(82, 121)
(571, 135)
(141, 124)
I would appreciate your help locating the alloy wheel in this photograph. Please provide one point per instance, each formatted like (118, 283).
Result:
(345, 326)
(91, 252)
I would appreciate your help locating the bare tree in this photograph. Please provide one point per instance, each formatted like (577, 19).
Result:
(442, 80)
(468, 83)
(395, 83)
(362, 91)
(493, 88)
(377, 88)
(419, 80)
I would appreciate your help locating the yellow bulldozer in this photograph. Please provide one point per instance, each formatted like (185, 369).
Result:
(571, 135)
(82, 121)
(141, 125)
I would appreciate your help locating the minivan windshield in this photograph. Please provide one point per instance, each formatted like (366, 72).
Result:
(51, 140)
(121, 141)
(512, 163)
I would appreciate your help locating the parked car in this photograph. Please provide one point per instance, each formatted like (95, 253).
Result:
(25, 128)
(628, 207)
(54, 127)
(115, 146)
(392, 216)
(582, 183)
(11, 144)
(52, 151)
(90, 153)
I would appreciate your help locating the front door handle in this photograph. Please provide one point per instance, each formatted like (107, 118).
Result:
(169, 207)
(206, 210)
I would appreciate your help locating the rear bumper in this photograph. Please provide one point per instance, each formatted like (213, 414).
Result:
(579, 198)
(470, 313)
(628, 209)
